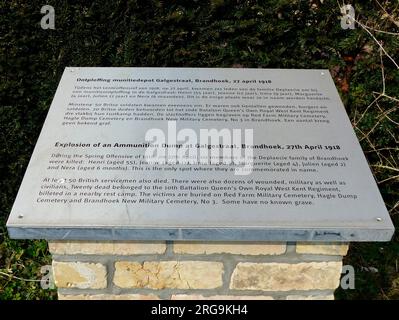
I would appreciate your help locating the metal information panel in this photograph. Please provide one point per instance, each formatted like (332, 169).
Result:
(198, 154)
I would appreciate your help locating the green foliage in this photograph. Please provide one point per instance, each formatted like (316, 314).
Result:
(22, 260)
(216, 33)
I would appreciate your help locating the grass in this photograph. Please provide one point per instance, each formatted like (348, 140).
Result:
(259, 34)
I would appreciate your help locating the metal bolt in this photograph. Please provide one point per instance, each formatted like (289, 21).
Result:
(322, 73)
(20, 216)
(379, 219)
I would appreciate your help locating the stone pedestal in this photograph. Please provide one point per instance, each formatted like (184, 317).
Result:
(196, 270)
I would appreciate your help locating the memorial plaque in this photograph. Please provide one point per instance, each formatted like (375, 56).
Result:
(198, 154)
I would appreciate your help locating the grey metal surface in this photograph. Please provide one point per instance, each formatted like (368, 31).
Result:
(202, 234)
(363, 218)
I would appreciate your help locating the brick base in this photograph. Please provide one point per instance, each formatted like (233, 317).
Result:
(186, 270)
